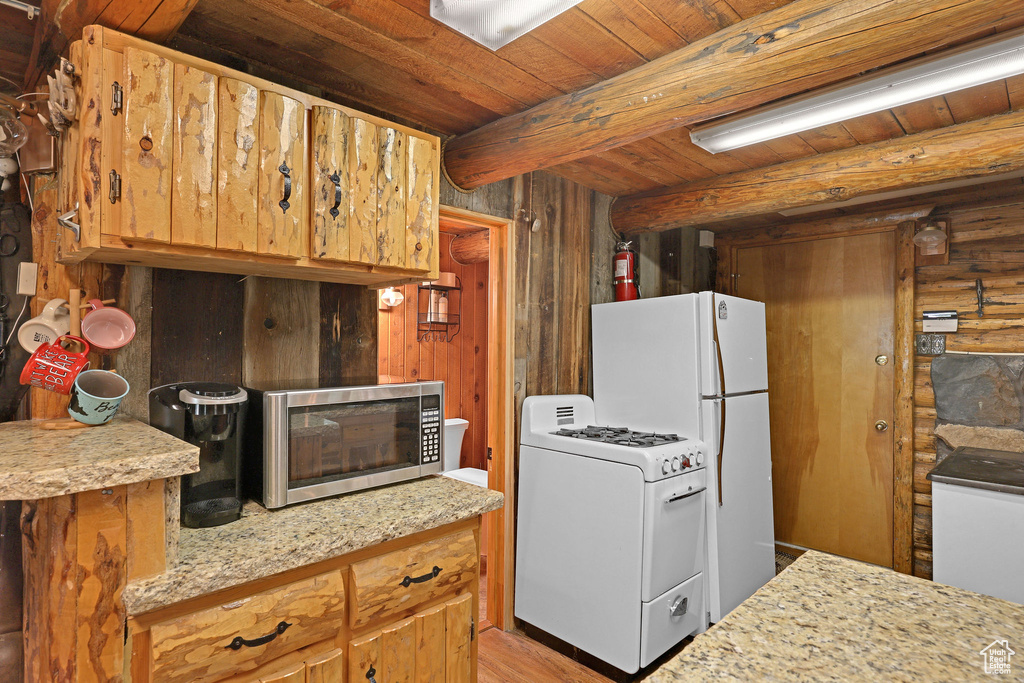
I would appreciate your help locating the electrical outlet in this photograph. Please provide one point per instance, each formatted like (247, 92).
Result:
(27, 274)
(930, 344)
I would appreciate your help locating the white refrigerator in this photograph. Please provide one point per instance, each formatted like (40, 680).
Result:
(696, 365)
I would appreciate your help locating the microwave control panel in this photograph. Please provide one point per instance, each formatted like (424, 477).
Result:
(431, 421)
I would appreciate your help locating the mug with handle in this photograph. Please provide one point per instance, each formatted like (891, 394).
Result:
(54, 367)
(106, 327)
(47, 327)
(96, 396)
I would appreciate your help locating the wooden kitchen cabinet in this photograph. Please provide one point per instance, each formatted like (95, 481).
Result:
(372, 614)
(432, 646)
(178, 162)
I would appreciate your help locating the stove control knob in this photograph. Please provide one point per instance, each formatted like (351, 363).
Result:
(686, 462)
(665, 467)
(700, 458)
(676, 463)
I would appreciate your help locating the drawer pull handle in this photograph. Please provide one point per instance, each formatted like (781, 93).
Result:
(420, 579)
(336, 179)
(283, 168)
(239, 642)
(370, 673)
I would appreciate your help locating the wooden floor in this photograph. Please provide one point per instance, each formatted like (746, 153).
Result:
(511, 657)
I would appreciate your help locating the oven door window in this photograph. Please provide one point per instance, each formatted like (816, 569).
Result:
(340, 441)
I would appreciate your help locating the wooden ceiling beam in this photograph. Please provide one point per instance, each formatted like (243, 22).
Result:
(990, 146)
(796, 47)
(62, 21)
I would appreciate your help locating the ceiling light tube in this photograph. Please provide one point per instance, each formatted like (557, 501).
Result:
(981, 62)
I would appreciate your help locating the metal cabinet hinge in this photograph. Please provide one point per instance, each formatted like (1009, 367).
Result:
(490, 453)
(116, 98)
(115, 186)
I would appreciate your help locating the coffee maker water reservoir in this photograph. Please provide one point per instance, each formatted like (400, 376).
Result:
(210, 415)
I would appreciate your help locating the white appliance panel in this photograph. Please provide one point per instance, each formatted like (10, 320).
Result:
(579, 552)
(976, 540)
(664, 626)
(645, 364)
(743, 344)
(741, 531)
(674, 532)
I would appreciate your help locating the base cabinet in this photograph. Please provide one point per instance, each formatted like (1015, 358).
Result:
(375, 616)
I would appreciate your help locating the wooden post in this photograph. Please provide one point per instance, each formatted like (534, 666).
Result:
(903, 410)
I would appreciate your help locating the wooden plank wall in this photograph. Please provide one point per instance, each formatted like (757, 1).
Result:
(460, 363)
(986, 243)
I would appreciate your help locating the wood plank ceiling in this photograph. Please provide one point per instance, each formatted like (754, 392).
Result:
(389, 57)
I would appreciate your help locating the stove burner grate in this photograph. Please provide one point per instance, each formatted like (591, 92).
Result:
(619, 436)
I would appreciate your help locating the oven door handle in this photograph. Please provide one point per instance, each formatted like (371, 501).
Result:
(682, 496)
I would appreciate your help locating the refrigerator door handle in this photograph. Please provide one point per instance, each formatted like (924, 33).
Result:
(721, 447)
(716, 342)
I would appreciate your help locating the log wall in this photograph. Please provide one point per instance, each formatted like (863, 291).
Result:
(986, 243)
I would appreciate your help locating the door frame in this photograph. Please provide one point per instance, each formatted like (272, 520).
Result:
(500, 524)
(901, 222)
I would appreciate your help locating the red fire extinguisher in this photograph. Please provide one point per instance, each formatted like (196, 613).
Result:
(627, 275)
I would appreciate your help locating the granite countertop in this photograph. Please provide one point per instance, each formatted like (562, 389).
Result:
(265, 542)
(41, 463)
(829, 618)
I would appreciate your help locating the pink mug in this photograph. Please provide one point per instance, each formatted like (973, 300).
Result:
(53, 367)
(106, 327)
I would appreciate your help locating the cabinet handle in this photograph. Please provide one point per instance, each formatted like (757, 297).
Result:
(283, 168)
(239, 642)
(336, 179)
(420, 579)
(370, 673)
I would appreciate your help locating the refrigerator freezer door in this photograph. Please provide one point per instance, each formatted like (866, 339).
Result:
(579, 549)
(741, 531)
(740, 327)
(645, 364)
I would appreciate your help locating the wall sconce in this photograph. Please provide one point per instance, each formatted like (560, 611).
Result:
(930, 237)
(390, 297)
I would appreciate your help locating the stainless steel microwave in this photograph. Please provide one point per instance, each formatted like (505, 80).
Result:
(304, 444)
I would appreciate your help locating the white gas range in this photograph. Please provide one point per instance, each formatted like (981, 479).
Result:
(627, 583)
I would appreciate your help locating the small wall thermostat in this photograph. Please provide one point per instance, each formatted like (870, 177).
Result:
(940, 321)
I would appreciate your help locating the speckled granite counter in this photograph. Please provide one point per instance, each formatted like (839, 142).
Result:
(828, 618)
(263, 542)
(40, 463)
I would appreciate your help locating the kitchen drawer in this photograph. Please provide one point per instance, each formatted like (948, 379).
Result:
(198, 646)
(390, 584)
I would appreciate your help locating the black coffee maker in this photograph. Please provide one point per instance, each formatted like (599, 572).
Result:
(210, 415)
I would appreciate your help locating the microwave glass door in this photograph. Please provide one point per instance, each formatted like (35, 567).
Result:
(343, 440)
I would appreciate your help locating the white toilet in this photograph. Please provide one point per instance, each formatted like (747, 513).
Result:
(454, 430)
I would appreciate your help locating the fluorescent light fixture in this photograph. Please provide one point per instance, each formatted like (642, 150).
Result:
(494, 23)
(981, 62)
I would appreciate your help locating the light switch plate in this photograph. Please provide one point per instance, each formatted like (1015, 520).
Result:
(930, 344)
(27, 274)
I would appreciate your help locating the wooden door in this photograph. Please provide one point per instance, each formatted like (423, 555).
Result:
(392, 180)
(364, 659)
(363, 164)
(830, 311)
(458, 646)
(194, 205)
(421, 206)
(328, 667)
(282, 224)
(329, 180)
(238, 154)
(146, 147)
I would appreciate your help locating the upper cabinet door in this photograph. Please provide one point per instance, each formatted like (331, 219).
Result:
(363, 163)
(282, 218)
(146, 147)
(194, 205)
(421, 205)
(392, 180)
(238, 159)
(329, 178)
